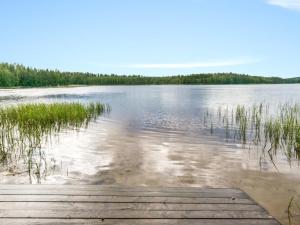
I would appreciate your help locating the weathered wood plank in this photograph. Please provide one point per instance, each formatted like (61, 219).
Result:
(89, 188)
(117, 193)
(132, 214)
(178, 200)
(138, 221)
(127, 206)
(94, 204)
(116, 188)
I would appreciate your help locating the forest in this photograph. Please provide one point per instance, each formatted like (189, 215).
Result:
(16, 75)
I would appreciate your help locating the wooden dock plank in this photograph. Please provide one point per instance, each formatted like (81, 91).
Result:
(127, 206)
(29, 221)
(129, 194)
(95, 204)
(132, 214)
(141, 199)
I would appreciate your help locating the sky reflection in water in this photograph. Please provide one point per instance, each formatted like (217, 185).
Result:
(153, 135)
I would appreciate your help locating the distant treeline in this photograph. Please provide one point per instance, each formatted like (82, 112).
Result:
(14, 75)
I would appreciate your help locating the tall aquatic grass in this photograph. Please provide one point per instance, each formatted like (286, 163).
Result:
(273, 132)
(25, 128)
(276, 130)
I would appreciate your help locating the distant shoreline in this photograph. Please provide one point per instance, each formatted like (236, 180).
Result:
(126, 85)
(19, 76)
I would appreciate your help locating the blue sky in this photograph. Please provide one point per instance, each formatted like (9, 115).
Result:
(153, 37)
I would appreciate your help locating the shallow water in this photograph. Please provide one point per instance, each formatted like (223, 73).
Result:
(155, 135)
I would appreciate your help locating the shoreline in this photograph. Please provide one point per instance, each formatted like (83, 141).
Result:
(137, 85)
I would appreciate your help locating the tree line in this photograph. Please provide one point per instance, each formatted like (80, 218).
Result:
(15, 75)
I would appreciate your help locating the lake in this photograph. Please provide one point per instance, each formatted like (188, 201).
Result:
(155, 135)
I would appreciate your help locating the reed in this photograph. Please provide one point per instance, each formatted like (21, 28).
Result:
(25, 128)
(276, 130)
(272, 130)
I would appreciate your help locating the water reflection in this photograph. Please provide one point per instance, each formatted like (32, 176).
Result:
(155, 135)
(162, 122)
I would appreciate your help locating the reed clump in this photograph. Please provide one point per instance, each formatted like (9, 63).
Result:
(25, 127)
(272, 130)
(276, 130)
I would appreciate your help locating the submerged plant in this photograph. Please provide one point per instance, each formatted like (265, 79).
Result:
(25, 128)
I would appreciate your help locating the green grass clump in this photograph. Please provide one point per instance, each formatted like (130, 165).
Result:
(274, 131)
(25, 127)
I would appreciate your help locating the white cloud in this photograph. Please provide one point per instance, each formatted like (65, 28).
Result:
(288, 4)
(192, 65)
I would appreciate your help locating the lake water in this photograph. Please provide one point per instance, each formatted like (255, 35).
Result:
(155, 135)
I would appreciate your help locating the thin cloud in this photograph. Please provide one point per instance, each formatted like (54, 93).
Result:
(192, 65)
(288, 4)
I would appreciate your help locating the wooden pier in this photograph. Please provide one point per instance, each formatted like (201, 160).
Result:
(115, 205)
